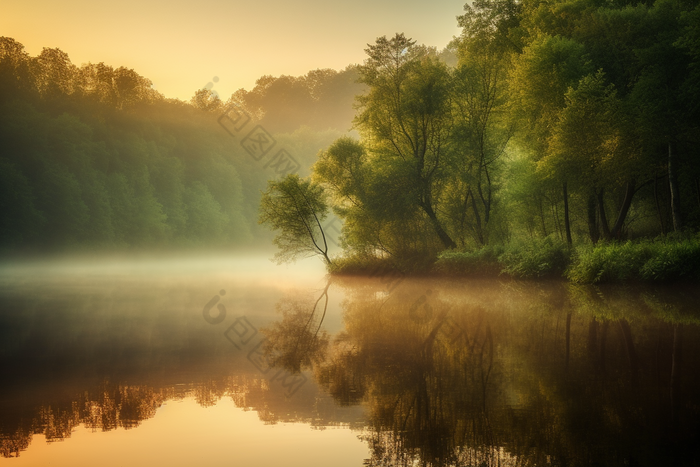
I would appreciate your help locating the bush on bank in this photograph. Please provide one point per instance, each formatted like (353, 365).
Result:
(663, 259)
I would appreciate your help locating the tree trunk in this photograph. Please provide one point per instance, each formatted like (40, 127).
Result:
(603, 218)
(444, 238)
(673, 186)
(555, 215)
(658, 206)
(463, 219)
(544, 226)
(624, 209)
(592, 221)
(486, 201)
(477, 217)
(567, 225)
(568, 339)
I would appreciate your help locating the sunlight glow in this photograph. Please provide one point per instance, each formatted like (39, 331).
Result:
(175, 437)
(182, 45)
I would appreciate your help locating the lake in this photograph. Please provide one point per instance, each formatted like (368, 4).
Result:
(233, 360)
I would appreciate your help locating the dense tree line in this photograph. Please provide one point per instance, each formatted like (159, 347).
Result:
(569, 119)
(321, 99)
(576, 119)
(93, 156)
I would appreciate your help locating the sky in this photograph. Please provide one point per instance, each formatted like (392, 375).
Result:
(182, 45)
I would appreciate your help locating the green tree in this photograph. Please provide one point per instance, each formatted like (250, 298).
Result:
(16, 79)
(482, 126)
(296, 208)
(405, 120)
(663, 114)
(542, 74)
(20, 218)
(586, 148)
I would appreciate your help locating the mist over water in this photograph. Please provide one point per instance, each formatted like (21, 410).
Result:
(132, 357)
(101, 344)
(454, 201)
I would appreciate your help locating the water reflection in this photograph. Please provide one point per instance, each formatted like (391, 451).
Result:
(297, 340)
(105, 351)
(485, 373)
(434, 373)
(110, 406)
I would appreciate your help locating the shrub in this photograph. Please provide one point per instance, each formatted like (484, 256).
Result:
(661, 259)
(546, 257)
(367, 264)
(673, 261)
(607, 262)
(481, 262)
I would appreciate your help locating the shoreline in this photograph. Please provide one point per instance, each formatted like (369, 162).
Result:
(657, 261)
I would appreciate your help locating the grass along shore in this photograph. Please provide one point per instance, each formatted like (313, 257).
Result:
(664, 259)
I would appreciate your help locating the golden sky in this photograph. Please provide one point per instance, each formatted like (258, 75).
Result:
(181, 45)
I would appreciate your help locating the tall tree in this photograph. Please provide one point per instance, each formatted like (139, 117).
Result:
(405, 119)
(482, 127)
(542, 74)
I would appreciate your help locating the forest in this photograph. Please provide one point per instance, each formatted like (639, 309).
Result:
(548, 136)
(93, 158)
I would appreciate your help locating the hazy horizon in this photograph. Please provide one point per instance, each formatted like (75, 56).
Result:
(182, 46)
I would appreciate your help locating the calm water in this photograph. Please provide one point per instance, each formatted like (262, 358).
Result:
(236, 361)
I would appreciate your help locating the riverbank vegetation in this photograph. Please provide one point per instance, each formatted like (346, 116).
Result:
(660, 259)
(553, 139)
(561, 142)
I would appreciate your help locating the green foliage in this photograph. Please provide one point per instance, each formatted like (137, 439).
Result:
(19, 215)
(205, 219)
(673, 261)
(542, 120)
(481, 262)
(126, 181)
(658, 260)
(360, 264)
(386, 268)
(296, 208)
(586, 128)
(574, 83)
(537, 258)
(432, 140)
(93, 157)
(543, 73)
(493, 25)
(404, 119)
(664, 259)
(607, 262)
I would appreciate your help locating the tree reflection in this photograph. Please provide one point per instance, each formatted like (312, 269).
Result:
(426, 383)
(112, 406)
(296, 341)
(510, 375)
(103, 409)
(448, 373)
